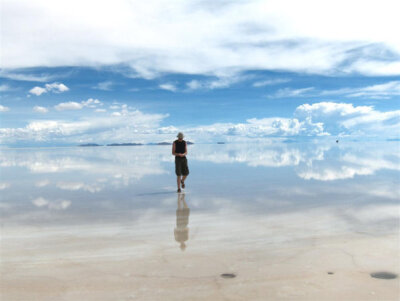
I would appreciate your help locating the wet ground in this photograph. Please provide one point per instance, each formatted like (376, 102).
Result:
(312, 220)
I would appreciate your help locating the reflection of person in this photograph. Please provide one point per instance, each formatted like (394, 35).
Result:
(181, 231)
(179, 150)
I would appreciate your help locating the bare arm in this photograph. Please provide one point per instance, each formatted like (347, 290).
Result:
(173, 149)
(185, 150)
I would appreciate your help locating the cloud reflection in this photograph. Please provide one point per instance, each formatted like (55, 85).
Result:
(79, 186)
(321, 160)
(116, 165)
(52, 205)
(4, 185)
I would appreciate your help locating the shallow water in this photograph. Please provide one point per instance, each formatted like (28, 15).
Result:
(300, 220)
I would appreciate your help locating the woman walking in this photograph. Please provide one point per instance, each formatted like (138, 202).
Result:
(179, 150)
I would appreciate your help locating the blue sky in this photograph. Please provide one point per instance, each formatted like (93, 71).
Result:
(229, 71)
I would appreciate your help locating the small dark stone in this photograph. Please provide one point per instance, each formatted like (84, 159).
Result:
(228, 275)
(330, 273)
(383, 275)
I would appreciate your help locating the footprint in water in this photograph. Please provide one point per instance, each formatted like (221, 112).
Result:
(383, 275)
(228, 275)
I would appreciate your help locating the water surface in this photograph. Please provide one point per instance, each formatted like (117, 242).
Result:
(106, 223)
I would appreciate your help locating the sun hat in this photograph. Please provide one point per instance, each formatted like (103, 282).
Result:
(180, 135)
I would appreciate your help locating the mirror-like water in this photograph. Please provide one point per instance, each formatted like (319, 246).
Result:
(279, 216)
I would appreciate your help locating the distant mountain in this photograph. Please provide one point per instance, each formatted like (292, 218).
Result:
(89, 144)
(220, 142)
(169, 143)
(124, 144)
(130, 144)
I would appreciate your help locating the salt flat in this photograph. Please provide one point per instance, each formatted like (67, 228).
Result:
(288, 221)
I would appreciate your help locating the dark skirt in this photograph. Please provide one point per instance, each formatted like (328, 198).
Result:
(181, 166)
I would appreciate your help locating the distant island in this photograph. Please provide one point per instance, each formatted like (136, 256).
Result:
(169, 143)
(89, 144)
(124, 144)
(129, 144)
(220, 142)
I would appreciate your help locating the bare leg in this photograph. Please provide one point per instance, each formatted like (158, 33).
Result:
(178, 181)
(183, 178)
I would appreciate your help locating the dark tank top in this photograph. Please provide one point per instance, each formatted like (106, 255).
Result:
(180, 146)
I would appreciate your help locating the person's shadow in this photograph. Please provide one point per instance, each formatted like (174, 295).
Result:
(181, 231)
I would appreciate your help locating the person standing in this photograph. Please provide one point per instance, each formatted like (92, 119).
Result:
(179, 150)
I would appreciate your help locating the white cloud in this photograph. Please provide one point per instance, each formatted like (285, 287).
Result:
(329, 108)
(318, 119)
(374, 67)
(167, 130)
(54, 87)
(194, 85)
(270, 82)
(257, 128)
(91, 103)
(4, 88)
(70, 105)
(105, 86)
(223, 81)
(124, 126)
(100, 110)
(378, 91)
(127, 125)
(195, 37)
(4, 108)
(168, 87)
(37, 91)
(22, 75)
(288, 92)
(40, 109)
(347, 119)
